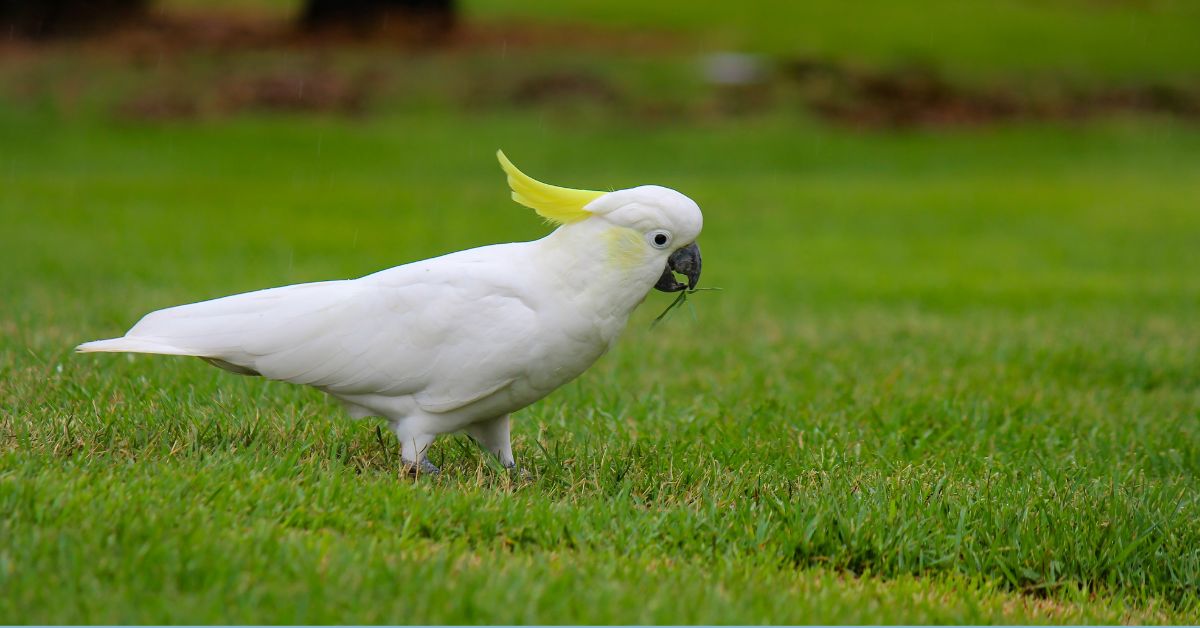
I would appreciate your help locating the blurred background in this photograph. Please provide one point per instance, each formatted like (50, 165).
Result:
(867, 141)
(959, 248)
(1008, 153)
(873, 65)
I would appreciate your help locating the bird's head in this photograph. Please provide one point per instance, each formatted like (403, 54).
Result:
(645, 226)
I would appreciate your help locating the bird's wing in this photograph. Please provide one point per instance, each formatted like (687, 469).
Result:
(447, 340)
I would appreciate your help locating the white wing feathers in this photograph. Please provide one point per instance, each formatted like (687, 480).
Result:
(447, 341)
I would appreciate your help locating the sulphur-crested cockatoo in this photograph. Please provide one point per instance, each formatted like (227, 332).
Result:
(457, 342)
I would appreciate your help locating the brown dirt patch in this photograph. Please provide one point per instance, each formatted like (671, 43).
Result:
(297, 89)
(560, 87)
(270, 64)
(921, 96)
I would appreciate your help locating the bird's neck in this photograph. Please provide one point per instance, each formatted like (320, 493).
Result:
(604, 269)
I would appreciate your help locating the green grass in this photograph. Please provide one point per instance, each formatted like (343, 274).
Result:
(1087, 39)
(1082, 40)
(951, 377)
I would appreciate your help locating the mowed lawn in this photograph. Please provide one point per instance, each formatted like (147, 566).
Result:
(950, 377)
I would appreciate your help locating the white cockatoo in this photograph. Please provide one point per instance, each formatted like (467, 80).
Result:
(457, 342)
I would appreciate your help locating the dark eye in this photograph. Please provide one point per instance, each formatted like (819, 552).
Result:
(659, 238)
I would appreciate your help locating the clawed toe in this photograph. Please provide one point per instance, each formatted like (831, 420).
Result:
(424, 467)
(520, 472)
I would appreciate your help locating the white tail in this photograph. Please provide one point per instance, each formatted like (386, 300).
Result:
(130, 345)
(235, 332)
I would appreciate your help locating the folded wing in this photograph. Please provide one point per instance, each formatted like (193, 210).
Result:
(447, 342)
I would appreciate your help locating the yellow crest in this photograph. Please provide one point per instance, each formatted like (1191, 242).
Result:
(558, 205)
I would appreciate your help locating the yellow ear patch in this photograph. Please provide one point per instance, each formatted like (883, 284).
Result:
(558, 205)
(626, 247)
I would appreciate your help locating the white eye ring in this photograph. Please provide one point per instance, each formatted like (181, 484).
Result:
(659, 238)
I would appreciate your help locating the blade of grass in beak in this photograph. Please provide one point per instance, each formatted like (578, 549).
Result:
(679, 301)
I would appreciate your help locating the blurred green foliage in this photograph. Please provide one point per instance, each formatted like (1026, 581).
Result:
(1091, 39)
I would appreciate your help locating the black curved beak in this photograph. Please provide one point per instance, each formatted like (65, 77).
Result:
(685, 261)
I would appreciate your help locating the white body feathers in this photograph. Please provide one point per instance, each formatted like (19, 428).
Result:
(440, 345)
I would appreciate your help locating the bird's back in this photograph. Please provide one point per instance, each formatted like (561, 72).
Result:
(447, 331)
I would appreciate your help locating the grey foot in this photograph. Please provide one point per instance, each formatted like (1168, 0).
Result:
(520, 472)
(424, 467)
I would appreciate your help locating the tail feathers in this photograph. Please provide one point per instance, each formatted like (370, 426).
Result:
(133, 345)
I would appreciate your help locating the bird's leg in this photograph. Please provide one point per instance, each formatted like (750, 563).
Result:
(492, 436)
(412, 452)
